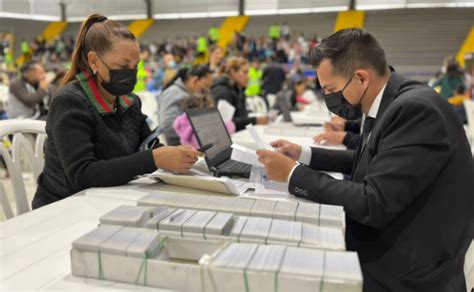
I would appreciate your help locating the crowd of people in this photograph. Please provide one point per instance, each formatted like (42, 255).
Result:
(407, 185)
(275, 64)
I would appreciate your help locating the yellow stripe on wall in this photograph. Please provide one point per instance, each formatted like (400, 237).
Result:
(138, 27)
(350, 19)
(229, 26)
(467, 47)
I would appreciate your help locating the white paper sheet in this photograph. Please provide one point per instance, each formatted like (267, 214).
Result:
(258, 140)
(245, 155)
(226, 110)
(264, 185)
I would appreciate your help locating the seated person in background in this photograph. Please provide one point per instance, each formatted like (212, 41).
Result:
(231, 87)
(304, 95)
(452, 79)
(195, 80)
(457, 100)
(215, 60)
(273, 77)
(95, 126)
(340, 131)
(183, 127)
(27, 92)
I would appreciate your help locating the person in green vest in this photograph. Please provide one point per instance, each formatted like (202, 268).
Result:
(25, 50)
(201, 45)
(213, 35)
(275, 32)
(142, 73)
(254, 86)
(142, 76)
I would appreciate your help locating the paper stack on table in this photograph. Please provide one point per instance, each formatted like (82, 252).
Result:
(126, 215)
(197, 180)
(225, 226)
(317, 214)
(272, 268)
(149, 258)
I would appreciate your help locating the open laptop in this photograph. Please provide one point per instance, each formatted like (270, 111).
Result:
(285, 111)
(209, 128)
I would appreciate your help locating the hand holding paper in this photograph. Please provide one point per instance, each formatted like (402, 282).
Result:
(287, 148)
(277, 165)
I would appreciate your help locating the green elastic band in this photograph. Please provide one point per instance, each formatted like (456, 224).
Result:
(144, 265)
(101, 268)
(296, 211)
(268, 234)
(246, 281)
(319, 215)
(243, 227)
(276, 281)
(204, 229)
(321, 284)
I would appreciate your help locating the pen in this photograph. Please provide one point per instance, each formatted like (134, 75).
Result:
(205, 147)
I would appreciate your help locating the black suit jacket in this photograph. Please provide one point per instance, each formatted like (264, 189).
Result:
(410, 204)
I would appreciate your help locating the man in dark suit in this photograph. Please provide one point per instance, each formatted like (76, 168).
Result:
(409, 204)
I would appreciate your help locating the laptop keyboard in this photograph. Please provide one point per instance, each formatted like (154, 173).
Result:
(235, 167)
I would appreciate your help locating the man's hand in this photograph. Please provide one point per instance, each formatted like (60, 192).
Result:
(336, 124)
(44, 84)
(332, 138)
(277, 165)
(287, 148)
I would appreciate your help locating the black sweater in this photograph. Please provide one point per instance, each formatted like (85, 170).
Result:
(223, 89)
(86, 148)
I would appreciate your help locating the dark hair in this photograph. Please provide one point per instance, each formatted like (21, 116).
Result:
(30, 65)
(96, 34)
(199, 71)
(349, 50)
(198, 101)
(453, 70)
(461, 89)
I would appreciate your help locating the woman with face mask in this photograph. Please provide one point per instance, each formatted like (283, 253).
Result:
(231, 88)
(95, 125)
(188, 81)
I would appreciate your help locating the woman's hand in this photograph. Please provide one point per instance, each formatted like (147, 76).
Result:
(177, 159)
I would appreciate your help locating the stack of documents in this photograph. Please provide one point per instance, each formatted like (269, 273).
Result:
(131, 216)
(317, 214)
(273, 267)
(225, 226)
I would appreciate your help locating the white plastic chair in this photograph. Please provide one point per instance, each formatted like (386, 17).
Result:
(256, 104)
(21, 148)
(149, 107)
(469, 106)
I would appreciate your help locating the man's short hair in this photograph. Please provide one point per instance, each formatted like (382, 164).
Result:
(349, 50)
(30, 65)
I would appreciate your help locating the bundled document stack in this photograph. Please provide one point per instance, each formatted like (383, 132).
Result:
(317, 214)
(227, 227)
(280, 268)
(147, 257)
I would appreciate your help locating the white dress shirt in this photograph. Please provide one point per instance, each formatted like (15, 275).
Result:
(305, 156)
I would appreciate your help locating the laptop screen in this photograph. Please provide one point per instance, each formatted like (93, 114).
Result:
(210, 129)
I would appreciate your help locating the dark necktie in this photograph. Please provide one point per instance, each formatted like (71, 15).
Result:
(367, 128)
(368, 125)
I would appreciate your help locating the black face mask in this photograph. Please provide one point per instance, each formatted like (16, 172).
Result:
(122, 81)
(337, 104)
